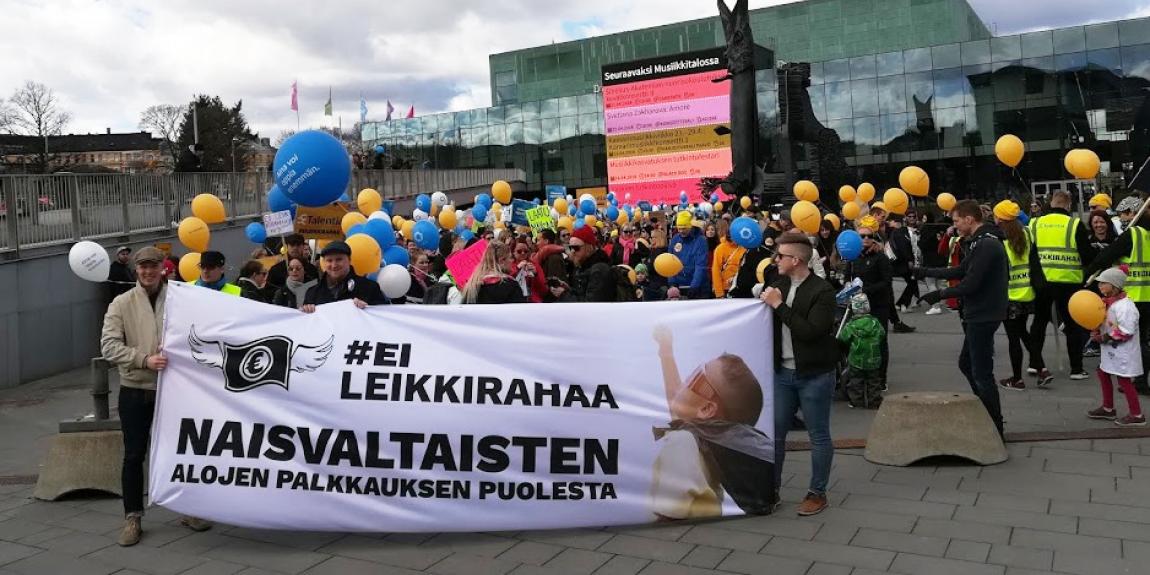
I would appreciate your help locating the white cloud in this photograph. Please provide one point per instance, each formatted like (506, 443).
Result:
(110, 59)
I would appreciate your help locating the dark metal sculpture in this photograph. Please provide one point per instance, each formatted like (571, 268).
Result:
(828, 167)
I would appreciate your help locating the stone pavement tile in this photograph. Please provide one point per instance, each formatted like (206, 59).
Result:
(899, 506)
(836, 533)
(467, 564)
(1070, 455)
(44, 512)
(915, 564)
(1024, 557)
(830, 553)
(531, 553)
(36, 538)
(10, 503)
(266, 555)
(1113, 529)
(829, 569)
(1125, 494)
(919, 544)
(1014, 518)
(965, 530)
(307, 540)
(872, 519)
(145, 559)
(10, 552)
(857, 487)
(52, 563)
(775, 525)
(77, 544)
(479, 544)
(666, 532)
(622, 565)
(345, 566)
(659, 568)
(1115, 446)
(968, 550)
(1083, 468)
(578, 561)
(917, 480)
(1082, 544)
(951, 496)
(652, 549)
(194, 544)
(763, 564)
(159, 535)
(1130, 460)
(706, 557)
(1040, 484)
(395, 554)
(725, 538)
(1101, 511)
(402, 538)
(1016, 502)
(90, 522)
(256, 571)
(578, 538)
(1136, 551)
(537, 570)
(1096, 564)
(1071, 444)
(213, 567)
(15, 529)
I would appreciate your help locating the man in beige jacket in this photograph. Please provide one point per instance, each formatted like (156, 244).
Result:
(131, 340)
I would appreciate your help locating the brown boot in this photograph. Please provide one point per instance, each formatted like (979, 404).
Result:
(130, 533)
(812, 505)
(195, 523)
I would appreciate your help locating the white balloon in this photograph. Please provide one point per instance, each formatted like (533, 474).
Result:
(379, 215)
(439, 199)
(90, 261)
(419, 215)
(586, 197)
(707, 207)
(554, 214)
(394, 280)
(627, 196)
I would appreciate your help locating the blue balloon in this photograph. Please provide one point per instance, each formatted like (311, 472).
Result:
(587, 207)
(426, 235)
(630, 210)
(571, 209)
(850, 245)
(381, 231)
(479, 212)
(485, 200)
(380, 149)
(396, 255)
(683, 197)
(612, 213)
(345, 198)
(357, 229)
(1023, 218)
(279, 202)
(423, 202)
(312, 168)
(745, 232)
(579, 222)
(373, 277)
(467, 235)
(714, 197)
(256, 233)
(535, 201)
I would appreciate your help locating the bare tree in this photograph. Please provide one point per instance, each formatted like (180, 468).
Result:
(6, 114)
(163, 121)
(37, 112)
(283, 137)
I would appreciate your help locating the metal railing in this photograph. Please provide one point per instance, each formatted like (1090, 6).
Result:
(46, 210)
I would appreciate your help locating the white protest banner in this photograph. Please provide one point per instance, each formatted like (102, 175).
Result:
(469, 418)
(279, 223)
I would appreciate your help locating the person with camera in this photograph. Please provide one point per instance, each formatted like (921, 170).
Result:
(593, 279)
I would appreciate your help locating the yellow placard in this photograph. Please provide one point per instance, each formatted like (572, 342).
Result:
(323, 223)
(667, 142)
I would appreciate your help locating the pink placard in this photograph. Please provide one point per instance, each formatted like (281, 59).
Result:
(668, 115)
(462, 264)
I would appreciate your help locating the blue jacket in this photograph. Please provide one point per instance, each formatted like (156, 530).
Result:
(692, 251)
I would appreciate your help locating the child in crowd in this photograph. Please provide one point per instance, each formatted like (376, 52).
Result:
(864, 334)
(711, 446)
(1121, 357)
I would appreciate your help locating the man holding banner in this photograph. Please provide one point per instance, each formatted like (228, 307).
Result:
(339, 282)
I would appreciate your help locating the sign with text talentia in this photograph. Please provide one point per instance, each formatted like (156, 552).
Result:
(396, 418)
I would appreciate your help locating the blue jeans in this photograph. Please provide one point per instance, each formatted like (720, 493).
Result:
(813, 395)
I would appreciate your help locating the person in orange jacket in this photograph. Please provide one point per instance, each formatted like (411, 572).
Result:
(725, 260)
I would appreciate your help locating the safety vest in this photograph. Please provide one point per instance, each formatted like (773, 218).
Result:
(1019, 288)
(231, 289)
(1138, 280)
(1058, 247)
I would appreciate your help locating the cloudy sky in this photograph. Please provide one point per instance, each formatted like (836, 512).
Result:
(109, 59)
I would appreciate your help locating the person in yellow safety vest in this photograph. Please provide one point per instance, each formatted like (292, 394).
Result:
(212, 274)
(1133, 249)
(1063, 247)
(1026, 279)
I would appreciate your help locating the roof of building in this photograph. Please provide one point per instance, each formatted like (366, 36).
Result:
(84, 142)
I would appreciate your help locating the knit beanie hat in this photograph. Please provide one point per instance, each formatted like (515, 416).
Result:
(1006, 210)
(1114, 277)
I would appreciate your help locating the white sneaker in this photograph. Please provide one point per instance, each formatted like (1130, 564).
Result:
(1079, 376)
(934, 311)
(1031, 371)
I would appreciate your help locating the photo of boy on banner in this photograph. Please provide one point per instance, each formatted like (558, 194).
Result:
(711, 447)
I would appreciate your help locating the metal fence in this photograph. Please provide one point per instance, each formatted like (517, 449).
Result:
(45, 210)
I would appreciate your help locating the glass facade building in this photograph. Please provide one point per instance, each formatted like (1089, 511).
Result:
(862, 88)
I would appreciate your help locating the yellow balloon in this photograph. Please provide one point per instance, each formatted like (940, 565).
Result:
(190, 266)
(668, 265)
(501, 191)
(407, 228)
(834, 220)
(852, 210)
(1009, 149)
(396, 222)
(847, 194)
(876, 206)
(745, 201)
(566, 222)
(806, 216)
(1087, 309)
(560, 205)
(590, 220)
(194, 234)
(496, 209)
(369, 201)
(895, 201)
(622, 219)
(806, 191)
(500, 226)
(915, 181)
(209, 208)
(447, 219)
(1083, 163)
(718, 206)
(761, 270)
(350, 219)
(865, 192)
(365, 254)
(946, 202)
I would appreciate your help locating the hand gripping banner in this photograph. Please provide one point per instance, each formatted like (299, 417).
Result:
(462, 418)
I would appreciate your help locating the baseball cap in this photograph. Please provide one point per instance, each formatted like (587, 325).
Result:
(123, 249)
(336, 247)
(148, 255)
(212, 259)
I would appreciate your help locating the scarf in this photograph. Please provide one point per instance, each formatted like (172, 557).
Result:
(215, 286)
(298, 289)
(628, 247)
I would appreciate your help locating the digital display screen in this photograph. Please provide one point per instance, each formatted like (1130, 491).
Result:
(660, 115)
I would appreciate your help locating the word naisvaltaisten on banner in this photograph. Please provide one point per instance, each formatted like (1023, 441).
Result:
(412, 418)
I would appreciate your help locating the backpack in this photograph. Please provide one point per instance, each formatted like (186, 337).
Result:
(624, 289)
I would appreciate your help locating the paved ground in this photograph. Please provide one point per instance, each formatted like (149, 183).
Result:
(1069, 506)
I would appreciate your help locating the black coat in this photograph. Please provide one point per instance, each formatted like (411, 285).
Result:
(638, 254)
(506, 290)
(811, 319)
(875, 271)
(352, 287)
(594, 281)
(903, 249)
(277, 274)
(251, 291)
(984, 274)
